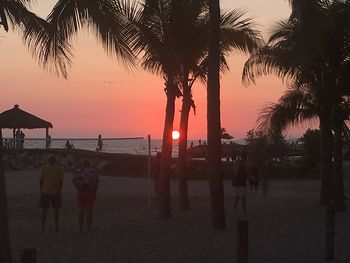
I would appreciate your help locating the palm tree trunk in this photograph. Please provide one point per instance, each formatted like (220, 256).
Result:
(164, 181)
(185, 111)
(5, 247)
(213, 115)
(338, 163)
(326, 145)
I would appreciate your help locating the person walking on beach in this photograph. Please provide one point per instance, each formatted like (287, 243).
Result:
(239, 183)
(254, 180)
(99, 143)
(51, 181)
(86, 182)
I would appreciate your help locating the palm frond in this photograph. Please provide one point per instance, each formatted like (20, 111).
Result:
(105, 18)
(294, 107)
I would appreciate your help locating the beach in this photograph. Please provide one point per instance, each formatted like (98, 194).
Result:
(287, 226)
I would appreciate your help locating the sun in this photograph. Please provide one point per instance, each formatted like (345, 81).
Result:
(175, 135)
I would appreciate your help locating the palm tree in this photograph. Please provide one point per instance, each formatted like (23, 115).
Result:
(36, 33)
(299, 50)
(235, 33)
(213, 115)
(299, 105)
(304, 50)
(154, 38)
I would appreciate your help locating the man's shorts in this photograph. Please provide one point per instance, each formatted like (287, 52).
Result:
(47, 199)
(86, 197)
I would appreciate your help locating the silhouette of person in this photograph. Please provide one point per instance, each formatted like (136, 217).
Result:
(239, 183)
(69, 146)
(49, 141)
(22, 135)
(51, 181)
(99, 143)
(18, 139)
(254, 180)
(86, 182)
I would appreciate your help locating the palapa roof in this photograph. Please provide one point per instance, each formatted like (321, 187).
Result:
(17, 118)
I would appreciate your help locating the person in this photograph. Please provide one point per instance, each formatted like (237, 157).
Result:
(265, 179)
(18, 139)
(239, 183)
(22, 135)
(99, 143)
(86, 182)
(69, 146)
(49, 141)
(51, 181)
(156, 175)
(254, 180)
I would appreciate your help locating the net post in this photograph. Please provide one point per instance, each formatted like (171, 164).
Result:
(149, 170)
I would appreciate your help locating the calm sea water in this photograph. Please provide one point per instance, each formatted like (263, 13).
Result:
(130, 146)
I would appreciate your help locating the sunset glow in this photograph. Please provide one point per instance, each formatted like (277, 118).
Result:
(101, 96)
(175, 135)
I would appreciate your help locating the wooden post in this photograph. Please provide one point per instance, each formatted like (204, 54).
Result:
(330, 232)
(14, 138)
(28, 255)
(47, 138)
(242, 241)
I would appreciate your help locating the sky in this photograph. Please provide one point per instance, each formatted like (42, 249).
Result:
(101, 97)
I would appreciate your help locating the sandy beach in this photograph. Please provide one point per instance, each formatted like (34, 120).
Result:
(287, 226)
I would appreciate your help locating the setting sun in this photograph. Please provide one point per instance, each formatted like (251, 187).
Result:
(175, 135)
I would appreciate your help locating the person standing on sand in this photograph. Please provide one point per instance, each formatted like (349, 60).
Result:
(51, 181)
(239, 182)
(86, 181)
(99, 143)
(254, 180)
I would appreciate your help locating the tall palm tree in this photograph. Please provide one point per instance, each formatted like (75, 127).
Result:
(213, 115)
(299, 105)
(235, 33)
(299, 50)
(36, 33)
(154, 39)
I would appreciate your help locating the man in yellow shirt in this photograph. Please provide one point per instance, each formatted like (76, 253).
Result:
(51, 181)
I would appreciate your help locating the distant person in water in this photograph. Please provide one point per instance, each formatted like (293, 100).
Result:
(239, 183)
(51, 181)
(99, 143)
(86, 182)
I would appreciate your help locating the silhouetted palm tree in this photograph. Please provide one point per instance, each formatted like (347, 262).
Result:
(154, 38)
(36, 32)
(213, 115)
(299, 105)
(235, 33)
(302, 49)
(312, 48)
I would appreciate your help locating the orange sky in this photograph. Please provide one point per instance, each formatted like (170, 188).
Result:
(101, 97)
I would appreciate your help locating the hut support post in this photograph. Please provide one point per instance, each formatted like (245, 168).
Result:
(14, 138)
(47, 138)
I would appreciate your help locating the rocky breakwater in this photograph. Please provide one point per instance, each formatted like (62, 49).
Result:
(105, 163)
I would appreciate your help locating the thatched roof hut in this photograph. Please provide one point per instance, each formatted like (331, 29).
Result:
(16, 118)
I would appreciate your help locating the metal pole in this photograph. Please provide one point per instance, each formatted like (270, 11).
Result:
(149, 171)
(47, 138)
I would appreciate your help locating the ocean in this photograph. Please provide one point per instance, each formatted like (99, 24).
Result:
(138, 146)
